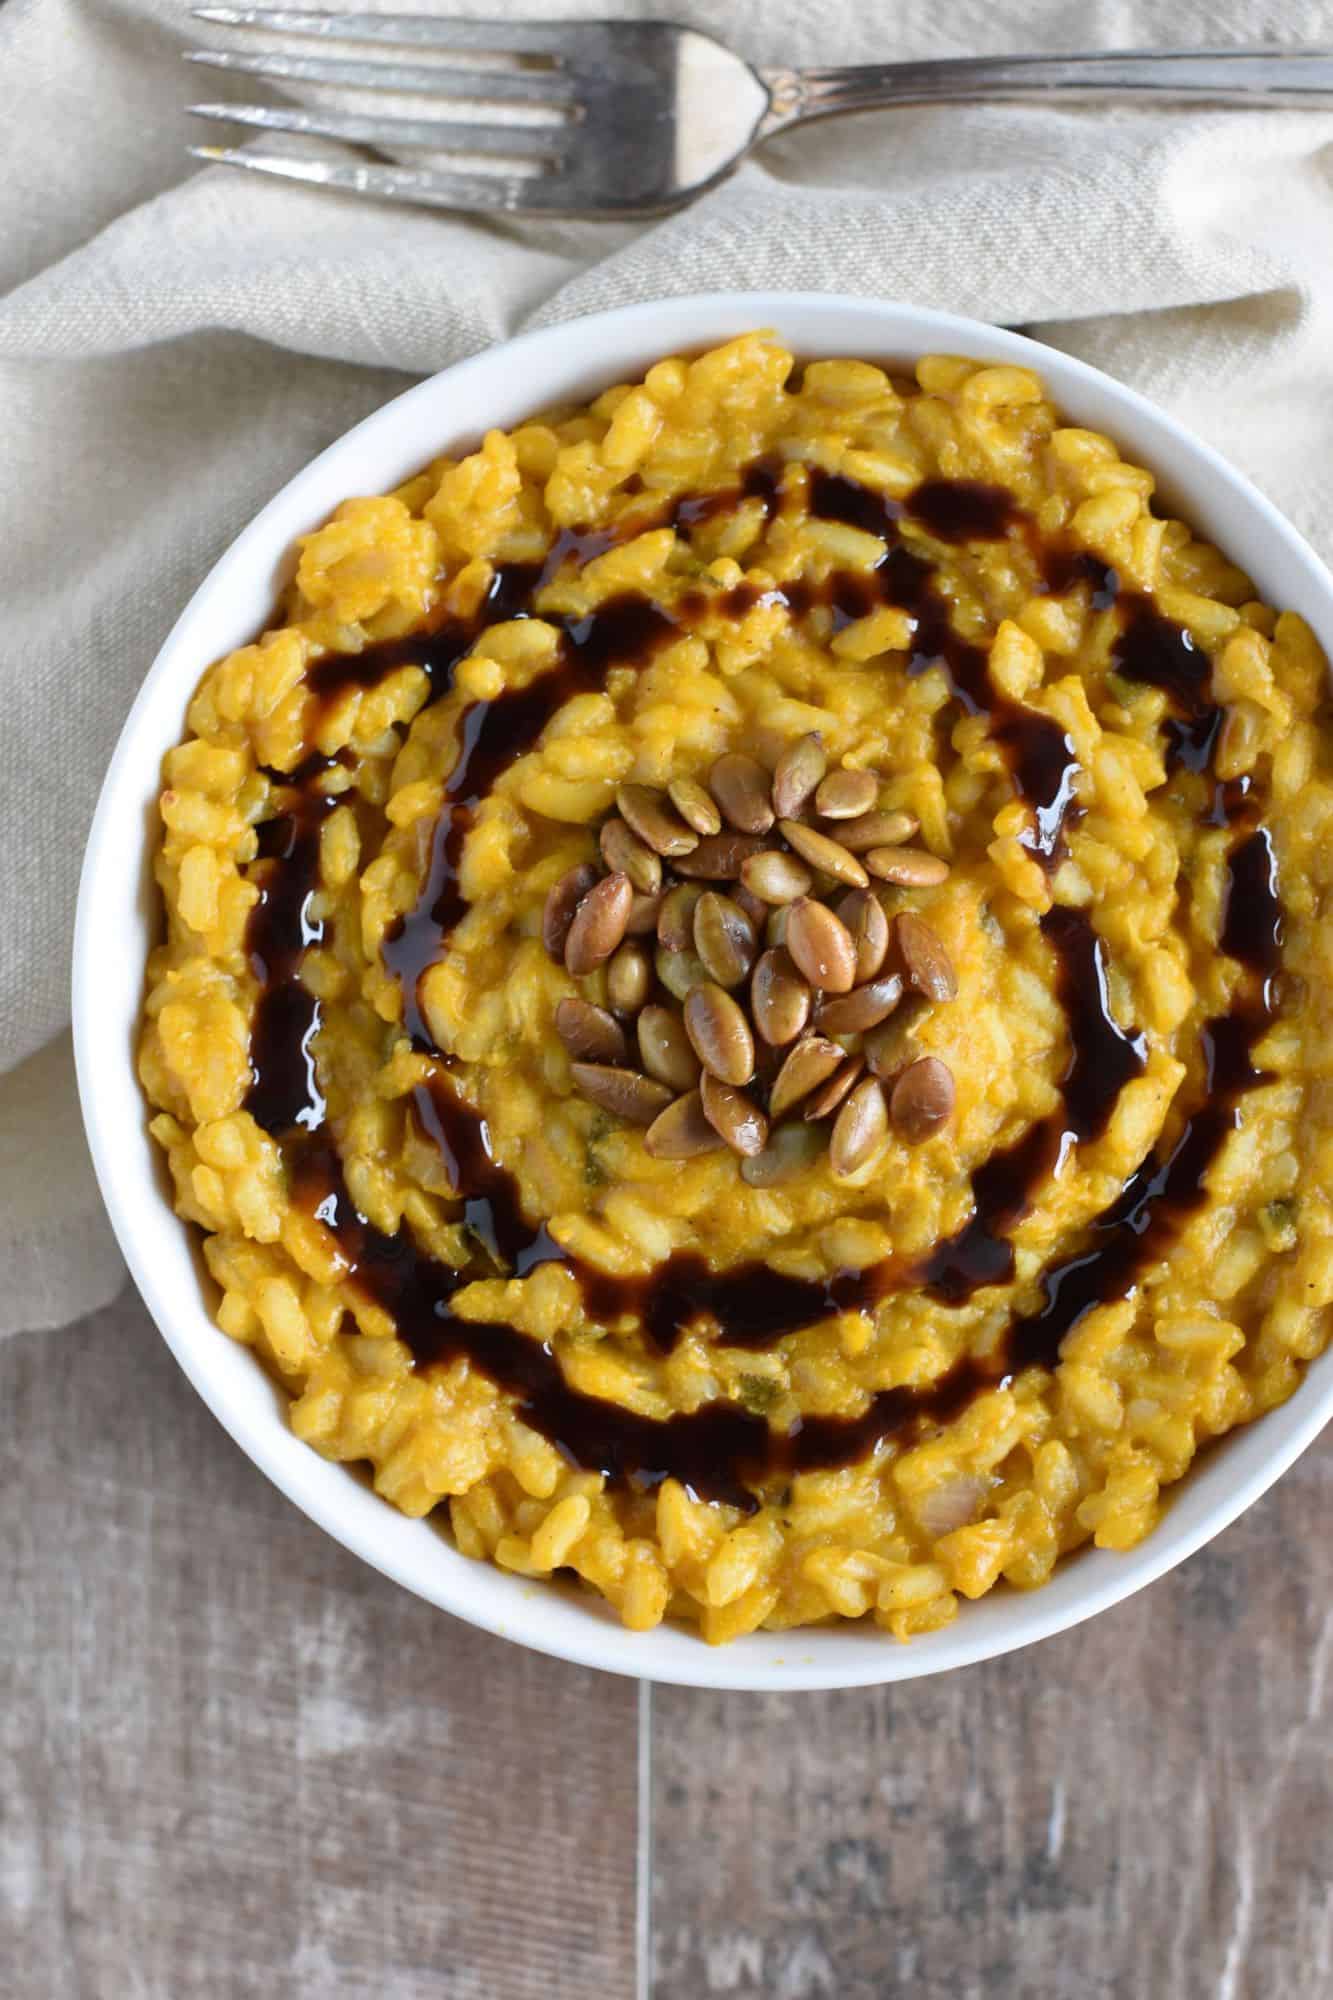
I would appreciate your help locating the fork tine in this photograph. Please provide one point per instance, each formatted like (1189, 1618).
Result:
(448, 135)
(426, 187)
(534, 86)
(522, 38)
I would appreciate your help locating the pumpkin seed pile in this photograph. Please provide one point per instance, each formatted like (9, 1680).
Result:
(752, 974)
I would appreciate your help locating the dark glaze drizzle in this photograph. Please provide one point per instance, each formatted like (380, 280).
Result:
(723, 1452)
(752, 1305)
(964, 510)
(952, 510)
(625, 630)
(1140, 1226)
(1040, 754)
(760, 481)
(492, 1212)
(1065, 569)
(1152, 649)
(709, 1450)
(1252, 922)
(436, 648)
(629, 631)
(491, 735)
(1103, 1058)
(285, 1092)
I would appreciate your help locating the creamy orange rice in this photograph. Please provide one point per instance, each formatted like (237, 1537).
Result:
(843, 1367)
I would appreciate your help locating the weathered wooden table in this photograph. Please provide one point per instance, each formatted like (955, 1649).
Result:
(236, 1762)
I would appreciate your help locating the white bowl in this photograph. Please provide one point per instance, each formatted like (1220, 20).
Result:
(115, 921)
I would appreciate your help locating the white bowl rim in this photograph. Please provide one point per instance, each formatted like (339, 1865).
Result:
(565, 1624)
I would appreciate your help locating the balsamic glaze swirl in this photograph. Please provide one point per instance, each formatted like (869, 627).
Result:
(1103, 1058)
(722, 1451)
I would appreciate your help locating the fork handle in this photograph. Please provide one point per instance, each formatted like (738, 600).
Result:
(1218, 76)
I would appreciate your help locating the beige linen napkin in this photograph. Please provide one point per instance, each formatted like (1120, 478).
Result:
(175, 342)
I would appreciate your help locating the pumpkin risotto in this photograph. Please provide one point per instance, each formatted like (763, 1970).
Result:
(746, 999)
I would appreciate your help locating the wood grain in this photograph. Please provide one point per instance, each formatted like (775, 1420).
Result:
(234, 1761)
(1140, 1810)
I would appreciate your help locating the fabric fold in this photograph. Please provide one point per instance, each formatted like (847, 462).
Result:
(175, 342)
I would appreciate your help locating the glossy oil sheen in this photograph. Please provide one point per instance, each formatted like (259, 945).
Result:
(285, 1092)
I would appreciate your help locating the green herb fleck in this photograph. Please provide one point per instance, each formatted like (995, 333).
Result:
(759, 1393)
(594, 1173)
(1278, 1222)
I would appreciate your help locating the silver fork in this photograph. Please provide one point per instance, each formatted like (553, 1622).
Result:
(615, 118)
